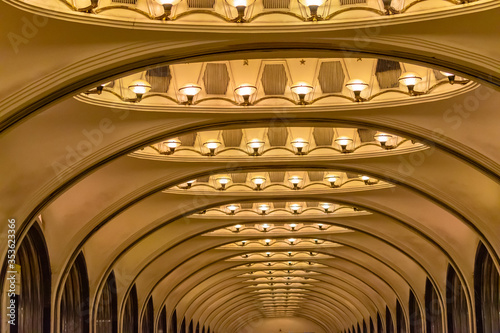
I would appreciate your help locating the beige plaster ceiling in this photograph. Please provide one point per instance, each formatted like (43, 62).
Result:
(90, 175)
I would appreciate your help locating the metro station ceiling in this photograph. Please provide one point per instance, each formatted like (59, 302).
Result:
(303, 194)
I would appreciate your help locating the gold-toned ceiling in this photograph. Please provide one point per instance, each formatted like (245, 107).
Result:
(217, 12)
(273, 81)
(96, 179)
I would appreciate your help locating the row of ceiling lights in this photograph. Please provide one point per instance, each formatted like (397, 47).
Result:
(264, 208)
(291, 241)
(409, 79)
(294, 180)
(266, 227)
(289, 253)
(240, 5)
(168, 147)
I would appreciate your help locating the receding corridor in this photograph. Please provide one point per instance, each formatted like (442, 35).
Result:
(250, 166)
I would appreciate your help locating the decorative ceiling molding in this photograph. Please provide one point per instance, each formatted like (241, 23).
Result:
(260, 12)
(280, 143)
(277, 229)
(295, 181)
(272, 82)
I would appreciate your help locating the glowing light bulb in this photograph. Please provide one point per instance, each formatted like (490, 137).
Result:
(139, 87)
(168, 2)
(299, 144)
(295, 180)
(258, 181)
(263, 208)
(212, 145)
(356, 85)
(255, 143)
(382, 137)
(326, 206)
(410, 79)
(232, 208)
(295, 208)
(245, 91)
(190, 89)
(223, 181)
(301, 89)
(343, 142)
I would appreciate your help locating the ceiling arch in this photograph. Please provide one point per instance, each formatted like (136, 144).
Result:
(99, 184)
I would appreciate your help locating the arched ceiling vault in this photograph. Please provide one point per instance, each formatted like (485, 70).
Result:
(90, 169)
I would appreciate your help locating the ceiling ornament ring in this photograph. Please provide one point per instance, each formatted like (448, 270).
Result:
(224, 11)
(292, 106)
(89, 14)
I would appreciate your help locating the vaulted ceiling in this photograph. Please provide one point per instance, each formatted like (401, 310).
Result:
(226, 235)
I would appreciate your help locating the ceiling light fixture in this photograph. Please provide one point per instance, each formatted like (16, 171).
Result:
(368, 180)
(168, 147)
(295, 180)
(100, 88)
(313, 6)
(450, 76)
(291, 240)
(332, 179)
(190, 90)
(167, 8)
(265, 227)
(344, 142)
(295, 208)
(299, 144)
(383, 138)
(258, 181)
(326, 206)
(410, 80)
(357, 86)
(223, 181)
(301, 89)
(139, 88)
(188, 184)
(255, 144)
(238, 227)
(264, 208)
(320, 226)
(241, 6)
(245, 91)
(212, 145)
(293, 226)
(232, 209)
(267, 241)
